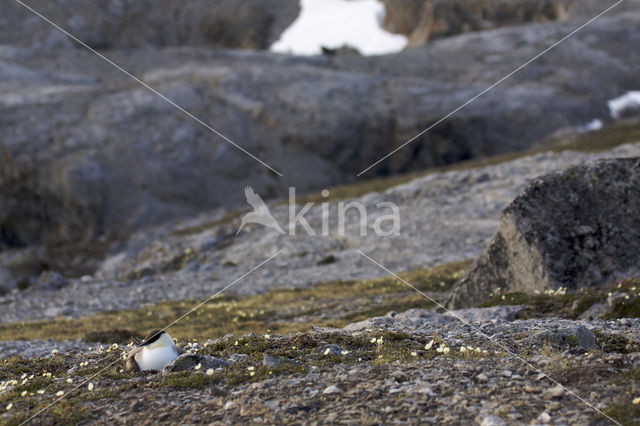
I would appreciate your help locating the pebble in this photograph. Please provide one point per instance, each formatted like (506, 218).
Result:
(544, 418)
(332, 389)
(490, 420)
(554, 392)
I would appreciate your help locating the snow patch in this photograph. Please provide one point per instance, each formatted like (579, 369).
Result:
(594, 124)
(628, 101)
(336, 23)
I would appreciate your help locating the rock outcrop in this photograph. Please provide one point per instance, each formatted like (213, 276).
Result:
(574, 228)
(425, 20)
(111, 24)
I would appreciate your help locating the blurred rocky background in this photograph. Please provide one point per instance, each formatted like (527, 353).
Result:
(88, 156)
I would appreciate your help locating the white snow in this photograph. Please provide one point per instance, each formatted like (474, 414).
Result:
(630, 100)
(594, 124)
(335, 23)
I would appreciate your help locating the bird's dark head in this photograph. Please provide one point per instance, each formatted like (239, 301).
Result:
(152, 337)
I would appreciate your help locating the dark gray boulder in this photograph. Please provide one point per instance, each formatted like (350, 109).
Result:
(572, 336)
(574, 228)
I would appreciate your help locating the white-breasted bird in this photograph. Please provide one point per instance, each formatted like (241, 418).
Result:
(260, 213)
(153, 353)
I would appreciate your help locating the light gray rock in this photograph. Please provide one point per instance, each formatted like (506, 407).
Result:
(413, 318)
(335, 350)
(490, 420)
(275, 361)
(574, 228)
(331, 390)
(596, 311)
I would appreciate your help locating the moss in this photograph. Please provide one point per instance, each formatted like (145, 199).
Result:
(614, 343)
(574, 303)
(626, 309)
(539, 304)
(114, 335)
(625, 414)
(187, 379)
(341, 301)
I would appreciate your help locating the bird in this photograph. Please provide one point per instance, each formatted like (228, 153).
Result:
(260, 213)
(153, 353)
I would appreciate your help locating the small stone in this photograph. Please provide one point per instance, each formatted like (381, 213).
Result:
(507, 373)
(332, 350)
(490, 420)
(554, 392)
(482, 378)
(332, 389)
(275, 361)
(544, 418)
(273, 404)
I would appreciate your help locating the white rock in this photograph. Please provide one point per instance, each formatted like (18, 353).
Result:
(332, 389)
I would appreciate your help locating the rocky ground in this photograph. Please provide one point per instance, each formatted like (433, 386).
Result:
(416, 367)
(445, 217)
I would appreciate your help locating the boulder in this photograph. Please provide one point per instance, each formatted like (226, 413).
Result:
(574, 228)
(111, 24)
(579, 336)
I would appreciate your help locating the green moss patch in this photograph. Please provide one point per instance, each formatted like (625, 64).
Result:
(571, 304)
(334, 304)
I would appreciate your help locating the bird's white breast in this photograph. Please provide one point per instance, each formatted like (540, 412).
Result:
(156, 358)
